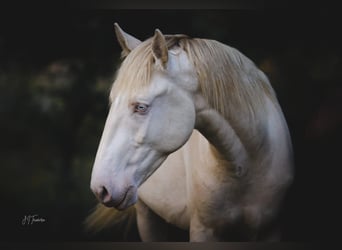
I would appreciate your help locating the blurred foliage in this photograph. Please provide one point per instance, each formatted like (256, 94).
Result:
(53, 123)
(56, 70)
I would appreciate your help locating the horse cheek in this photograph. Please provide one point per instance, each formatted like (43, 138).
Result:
(180, 128)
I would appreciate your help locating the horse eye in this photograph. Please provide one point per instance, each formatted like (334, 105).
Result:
(141, 108)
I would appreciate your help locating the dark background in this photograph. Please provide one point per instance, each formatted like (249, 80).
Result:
(56, 69)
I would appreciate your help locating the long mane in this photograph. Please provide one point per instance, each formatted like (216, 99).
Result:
(229, 81)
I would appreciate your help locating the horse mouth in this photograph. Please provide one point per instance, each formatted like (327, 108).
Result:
(127, 199)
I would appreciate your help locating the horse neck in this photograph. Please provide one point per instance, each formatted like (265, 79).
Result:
(234, 139)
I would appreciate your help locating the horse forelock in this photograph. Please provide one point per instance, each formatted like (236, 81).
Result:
(229, 81)
(137, 67)
(134, 72)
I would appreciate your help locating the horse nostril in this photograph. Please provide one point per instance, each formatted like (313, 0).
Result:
(103, 192)
(104, 195)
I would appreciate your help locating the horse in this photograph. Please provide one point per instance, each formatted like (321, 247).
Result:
(195, 137)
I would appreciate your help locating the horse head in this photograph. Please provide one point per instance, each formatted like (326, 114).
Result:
(152, 114)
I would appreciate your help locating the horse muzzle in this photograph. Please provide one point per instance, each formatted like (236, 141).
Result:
(119, 200)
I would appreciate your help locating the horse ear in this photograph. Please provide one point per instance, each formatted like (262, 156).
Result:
(126, 41)
(159, 49)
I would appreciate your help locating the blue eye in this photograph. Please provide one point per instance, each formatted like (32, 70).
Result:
(141, 108)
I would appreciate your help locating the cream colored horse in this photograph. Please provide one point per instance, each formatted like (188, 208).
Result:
(194, 137)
